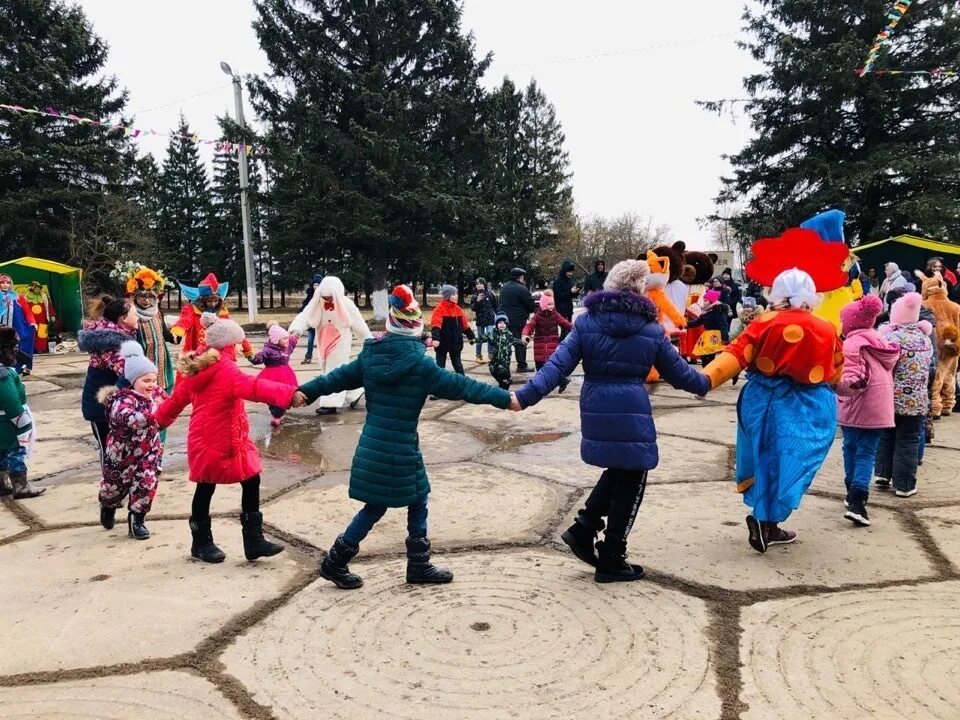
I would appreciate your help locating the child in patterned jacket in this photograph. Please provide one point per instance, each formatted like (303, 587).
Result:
(131, 463)
(897, 456)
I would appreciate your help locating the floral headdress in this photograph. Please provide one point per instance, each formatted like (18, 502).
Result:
(138, 279)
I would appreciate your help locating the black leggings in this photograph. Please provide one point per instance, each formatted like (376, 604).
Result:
(616, 496)
(455, 360)
(100, 430)
(203, 494)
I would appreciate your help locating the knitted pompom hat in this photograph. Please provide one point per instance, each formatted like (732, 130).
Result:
(906, 310)
(628, 276)
(220, 332)
(861, 314)
(712, 296)
(404, 316)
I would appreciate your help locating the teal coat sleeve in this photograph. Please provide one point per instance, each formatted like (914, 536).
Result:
(345, 377)
(451, 386)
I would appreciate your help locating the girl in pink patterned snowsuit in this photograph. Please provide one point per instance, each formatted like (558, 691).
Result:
(131, 463)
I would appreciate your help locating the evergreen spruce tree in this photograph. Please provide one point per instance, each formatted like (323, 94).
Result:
(53, 171)
(546, 195)
(225, 249)
(884, 148)
(376, 144)
(183, 222)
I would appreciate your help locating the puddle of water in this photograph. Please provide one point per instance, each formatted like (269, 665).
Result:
(295, 441)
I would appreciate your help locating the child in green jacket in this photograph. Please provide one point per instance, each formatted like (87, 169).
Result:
(388, 471)
(501, 342)
(16, 422)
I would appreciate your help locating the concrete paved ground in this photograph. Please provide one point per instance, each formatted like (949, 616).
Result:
(846, 622)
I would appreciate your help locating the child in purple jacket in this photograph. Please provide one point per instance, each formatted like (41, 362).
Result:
(619, 340)
(275, 357)
(864, 399)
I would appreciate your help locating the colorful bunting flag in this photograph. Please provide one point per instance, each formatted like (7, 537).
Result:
(893, 18)
(132, 132)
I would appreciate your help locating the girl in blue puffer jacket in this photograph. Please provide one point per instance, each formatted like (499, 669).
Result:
(619, 340)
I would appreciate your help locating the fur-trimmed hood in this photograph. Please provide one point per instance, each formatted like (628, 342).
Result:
(195, 361)
(620, 313)
(102, 336)
(106, 393)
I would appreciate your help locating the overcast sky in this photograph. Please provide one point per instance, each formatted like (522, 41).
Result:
(636, 140)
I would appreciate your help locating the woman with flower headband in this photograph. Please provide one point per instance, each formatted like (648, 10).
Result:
(146, 287)
(787, 413)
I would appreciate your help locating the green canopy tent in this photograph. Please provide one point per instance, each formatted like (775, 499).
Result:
(908, 251)
(62, 282)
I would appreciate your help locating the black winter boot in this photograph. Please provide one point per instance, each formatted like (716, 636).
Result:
(420, 571)
(254, 544)
(203, 547)
(334, 566)
(612, 563)
(581, 539)
(857, 507)
(136, 527)
(108, 517)
(5, 487)
(22, 489)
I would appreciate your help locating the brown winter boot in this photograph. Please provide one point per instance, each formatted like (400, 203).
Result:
(5, 487)
(22, 489)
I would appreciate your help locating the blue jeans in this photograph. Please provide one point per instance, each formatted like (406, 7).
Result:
(484, 331)
(859, 454)
(311, 339)
(13, 461)
(370, 515)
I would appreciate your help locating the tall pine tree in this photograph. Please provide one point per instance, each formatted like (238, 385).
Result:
(53, 172)
(225, 249)
(884, 148)
(375, 144)
(183, 222)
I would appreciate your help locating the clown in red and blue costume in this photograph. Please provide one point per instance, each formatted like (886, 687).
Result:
(208, 296)
(787, 413)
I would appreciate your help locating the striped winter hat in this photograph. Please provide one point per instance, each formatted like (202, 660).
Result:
(405, 317)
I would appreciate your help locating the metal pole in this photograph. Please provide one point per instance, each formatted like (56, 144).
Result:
(245, 207)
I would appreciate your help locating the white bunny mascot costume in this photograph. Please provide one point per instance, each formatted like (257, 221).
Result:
(335, 318)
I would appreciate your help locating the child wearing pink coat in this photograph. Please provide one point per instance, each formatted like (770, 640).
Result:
(864, 399)
(275, 357)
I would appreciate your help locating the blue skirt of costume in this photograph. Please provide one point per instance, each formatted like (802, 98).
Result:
(784, 432)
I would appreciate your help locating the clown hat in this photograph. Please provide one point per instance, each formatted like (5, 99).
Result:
(208, 286)
(828, 225)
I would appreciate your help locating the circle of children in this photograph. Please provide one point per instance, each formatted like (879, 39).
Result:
(820, 347)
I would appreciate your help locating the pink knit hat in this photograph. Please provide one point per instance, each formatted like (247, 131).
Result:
(546, 302)
(220, 332)
(861, 314)
(711, 296)
(276, 333)
(906, 310)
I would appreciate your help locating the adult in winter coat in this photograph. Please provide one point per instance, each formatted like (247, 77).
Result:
(336, 320)
(219, 448)
(311, 333)
(388, 469)
(894, 280)
(595, 280)
(484, 305)
(115, 322)
(618, 340)
(564, 290)
(864, 399)
(16, 423)
(545, 327)
(516, 302)
(947, 326)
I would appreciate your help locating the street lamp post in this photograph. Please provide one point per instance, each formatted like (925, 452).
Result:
(244, 198)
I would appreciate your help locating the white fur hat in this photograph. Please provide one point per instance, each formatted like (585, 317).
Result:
(628, 276)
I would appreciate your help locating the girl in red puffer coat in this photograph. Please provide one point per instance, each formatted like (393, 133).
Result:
(544, 327)
(219, 448)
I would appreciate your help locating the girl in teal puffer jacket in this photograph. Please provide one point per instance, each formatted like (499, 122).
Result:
(388, 471)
